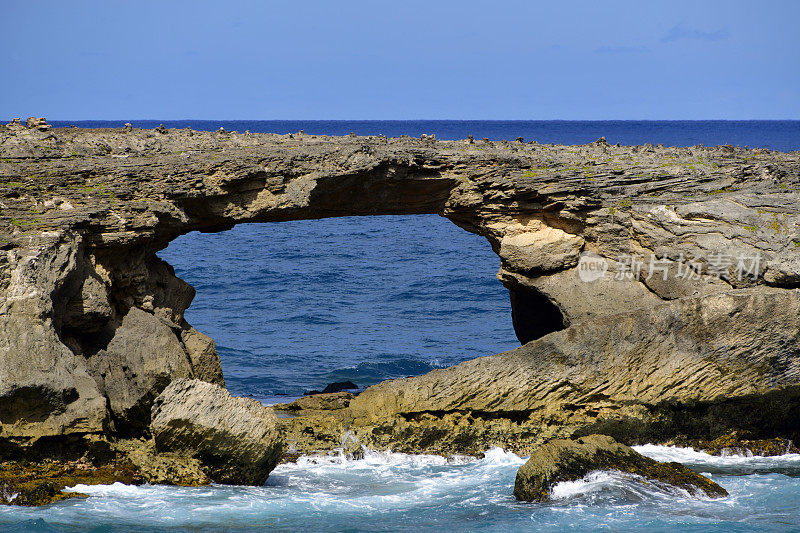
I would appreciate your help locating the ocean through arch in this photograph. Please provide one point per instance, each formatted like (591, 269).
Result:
(295, 305)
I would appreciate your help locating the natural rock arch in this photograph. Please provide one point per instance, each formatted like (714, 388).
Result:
(93, 324)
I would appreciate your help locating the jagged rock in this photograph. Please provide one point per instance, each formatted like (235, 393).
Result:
(235, 439)
(736, 444)
(15, 124)
(89, 310)
(570, 460)
(166, 468)
(128, 127)
(784, 270)
(322, 401)
(42, 483)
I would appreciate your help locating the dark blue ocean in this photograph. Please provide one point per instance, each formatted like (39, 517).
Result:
(780, 135)
(296, 305)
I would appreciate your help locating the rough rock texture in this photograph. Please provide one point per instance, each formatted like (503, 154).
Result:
(689, 329)
(162, 468)
(236, 440)
(736, 443)
(570, 460)
(139, 362)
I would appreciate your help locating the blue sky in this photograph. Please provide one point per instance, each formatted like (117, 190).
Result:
(176, 59)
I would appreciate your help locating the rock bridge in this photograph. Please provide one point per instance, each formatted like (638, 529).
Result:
(690, 329)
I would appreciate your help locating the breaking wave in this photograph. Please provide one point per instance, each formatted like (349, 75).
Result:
(397, 492)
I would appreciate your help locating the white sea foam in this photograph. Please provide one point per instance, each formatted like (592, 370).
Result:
(699, 459)
(399, 491)
(592, 482)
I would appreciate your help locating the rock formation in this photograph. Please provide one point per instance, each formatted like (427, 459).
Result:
(569, 460)
(654, 289)
(236, 440)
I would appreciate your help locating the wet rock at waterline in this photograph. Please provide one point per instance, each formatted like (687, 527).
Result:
(569, 460)
(739, 444)
(236, 440)
(34, 484)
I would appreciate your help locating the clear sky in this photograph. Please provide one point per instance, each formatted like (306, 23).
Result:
(404, 59)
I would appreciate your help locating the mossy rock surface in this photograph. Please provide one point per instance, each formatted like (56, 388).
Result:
(32, 484)
(570, 460)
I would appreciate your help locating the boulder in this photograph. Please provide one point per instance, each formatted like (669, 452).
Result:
(236, 440)
(570, 460)
(141, 359)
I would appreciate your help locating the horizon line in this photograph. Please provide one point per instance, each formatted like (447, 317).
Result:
(431, 119)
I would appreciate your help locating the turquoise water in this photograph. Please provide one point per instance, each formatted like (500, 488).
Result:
(395, 492)
(296, 305)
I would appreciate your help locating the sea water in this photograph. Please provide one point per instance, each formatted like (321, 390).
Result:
(296, 305)
(397, 492)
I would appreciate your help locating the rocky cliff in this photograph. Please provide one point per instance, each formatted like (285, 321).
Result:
(654, 289)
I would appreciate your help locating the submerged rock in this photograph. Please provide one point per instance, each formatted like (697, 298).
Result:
(236, 440)
(331, 388)
(570, 460)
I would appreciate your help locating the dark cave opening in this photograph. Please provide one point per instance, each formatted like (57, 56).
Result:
(533, 314)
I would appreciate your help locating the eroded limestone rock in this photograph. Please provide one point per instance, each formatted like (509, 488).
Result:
(236, 440)
(83, 213)
(45, 389)
(202, 352)
(537, 252)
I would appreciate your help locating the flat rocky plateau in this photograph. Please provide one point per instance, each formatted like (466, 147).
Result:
(654, 289)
